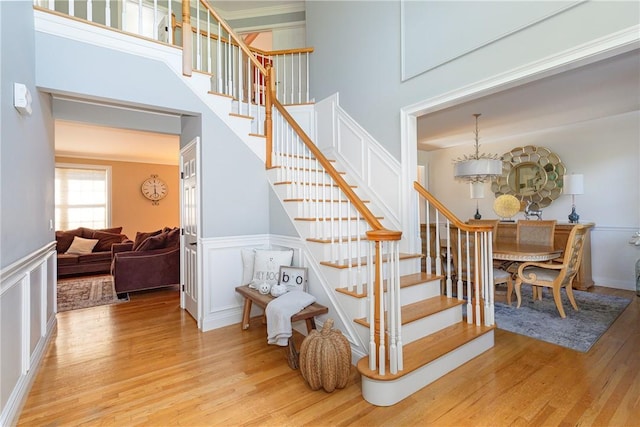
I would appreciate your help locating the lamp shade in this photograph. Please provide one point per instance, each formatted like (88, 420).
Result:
(477, 169)
(573, 184)
(476, 190)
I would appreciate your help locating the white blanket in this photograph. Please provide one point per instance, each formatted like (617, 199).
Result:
(279, 312)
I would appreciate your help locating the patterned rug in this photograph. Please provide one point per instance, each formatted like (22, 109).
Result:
(578, 331)
(89, 291)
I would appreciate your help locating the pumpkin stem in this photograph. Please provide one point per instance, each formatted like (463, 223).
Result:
(326, 328)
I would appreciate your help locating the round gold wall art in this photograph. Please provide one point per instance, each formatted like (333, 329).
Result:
(531, 174)
(506, 206)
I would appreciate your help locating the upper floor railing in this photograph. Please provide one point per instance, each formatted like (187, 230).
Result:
(209, 46)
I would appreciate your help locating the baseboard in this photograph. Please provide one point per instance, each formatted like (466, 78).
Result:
(13, 408)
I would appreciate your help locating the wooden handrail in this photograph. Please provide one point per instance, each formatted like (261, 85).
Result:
(241, 44)
(447, 213)
(326, 164)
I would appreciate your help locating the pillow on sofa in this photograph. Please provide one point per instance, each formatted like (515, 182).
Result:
(88, 232)
(173, 238)
(154, 242)
(105, 240)
(266, 265)
(64, 238)
(81, 246)
(142, 236)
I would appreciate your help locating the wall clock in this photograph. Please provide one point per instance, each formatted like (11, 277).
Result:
(154, 189)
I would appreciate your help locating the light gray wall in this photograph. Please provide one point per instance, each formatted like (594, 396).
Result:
(26, 156)
(234, 199)
(357, 52)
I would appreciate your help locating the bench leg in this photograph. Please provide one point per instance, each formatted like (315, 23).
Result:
(311, 324)
(246, 312)
(293, 357)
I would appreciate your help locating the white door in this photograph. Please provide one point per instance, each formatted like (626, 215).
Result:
(189, 166)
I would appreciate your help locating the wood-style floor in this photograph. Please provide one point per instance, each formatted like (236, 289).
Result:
(145, 363)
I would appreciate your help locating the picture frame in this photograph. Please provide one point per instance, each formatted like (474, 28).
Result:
(294, 278)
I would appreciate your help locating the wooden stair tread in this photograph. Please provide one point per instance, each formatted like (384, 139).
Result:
(421, 309)
(363, 261)
(303, 169)
(321, 200)
(336, 219)
(405, 282)
(311, 183)
(427, 349)
(337, 239)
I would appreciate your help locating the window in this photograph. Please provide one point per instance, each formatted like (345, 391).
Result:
(83, 196)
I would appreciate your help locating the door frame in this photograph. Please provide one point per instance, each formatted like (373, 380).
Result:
(199, 289)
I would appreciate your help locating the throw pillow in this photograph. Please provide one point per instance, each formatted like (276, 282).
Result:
(154, 242)
(173, 238)
(142, 236)
(65, 238)
(105, 240)
(248, 258)
(81, 246)
(266, 266)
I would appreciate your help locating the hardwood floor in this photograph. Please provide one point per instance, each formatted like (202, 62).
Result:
(145, 363)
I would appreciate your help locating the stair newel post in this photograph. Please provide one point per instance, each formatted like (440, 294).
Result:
(187, 52)
(268, 117)
(378, 324)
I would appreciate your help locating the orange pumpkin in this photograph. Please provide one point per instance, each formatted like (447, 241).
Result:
(325, 358)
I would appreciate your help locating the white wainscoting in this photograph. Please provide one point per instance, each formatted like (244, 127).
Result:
(28, 308)
(368, 165)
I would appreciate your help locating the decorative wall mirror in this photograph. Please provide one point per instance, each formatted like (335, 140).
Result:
(532, 174)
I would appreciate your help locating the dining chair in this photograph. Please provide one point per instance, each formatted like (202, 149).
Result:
(500, 276)
(554, 275)
(537, 232)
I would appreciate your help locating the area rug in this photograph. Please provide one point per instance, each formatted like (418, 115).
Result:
(83, 292)
(578, 331)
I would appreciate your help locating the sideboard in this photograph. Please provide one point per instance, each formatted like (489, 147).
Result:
(583, 280)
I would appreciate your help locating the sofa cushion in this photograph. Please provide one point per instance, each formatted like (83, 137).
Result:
(153, 243)
(81, 246)
(88, 232)
(67, 259)
(142, 236)
(94, 257)
(173, 238)
(105, 240)
(64, 239)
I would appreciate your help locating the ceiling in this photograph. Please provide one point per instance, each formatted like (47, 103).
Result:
(602, 89)
(83, 140)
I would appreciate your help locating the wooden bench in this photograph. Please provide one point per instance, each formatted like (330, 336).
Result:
(307, 314)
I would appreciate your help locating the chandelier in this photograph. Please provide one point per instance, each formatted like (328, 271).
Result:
(477, 167)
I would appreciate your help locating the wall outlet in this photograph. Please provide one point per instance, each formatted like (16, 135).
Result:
(50, 224)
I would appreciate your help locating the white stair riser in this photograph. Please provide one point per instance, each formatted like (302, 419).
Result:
(324, 229)
(303, 176)
(387, 393)
(342, 277)
(326, 209)
(408, 295)
(328, 251)
(288, 191)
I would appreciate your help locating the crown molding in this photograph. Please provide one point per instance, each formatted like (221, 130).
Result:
(260, 11)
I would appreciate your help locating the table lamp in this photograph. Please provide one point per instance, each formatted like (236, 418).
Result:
(573, 185)
(477, 192)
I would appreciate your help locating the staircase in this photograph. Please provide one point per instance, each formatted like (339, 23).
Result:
(411, 331)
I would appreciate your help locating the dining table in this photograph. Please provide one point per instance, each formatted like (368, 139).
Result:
(524, 252)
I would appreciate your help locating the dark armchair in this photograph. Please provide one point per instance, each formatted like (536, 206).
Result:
(153, 264)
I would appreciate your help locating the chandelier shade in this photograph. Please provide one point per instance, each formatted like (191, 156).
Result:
(477, 167)
(477, 170)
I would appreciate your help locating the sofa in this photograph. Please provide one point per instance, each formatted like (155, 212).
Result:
(152, 262)
(88, 251)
